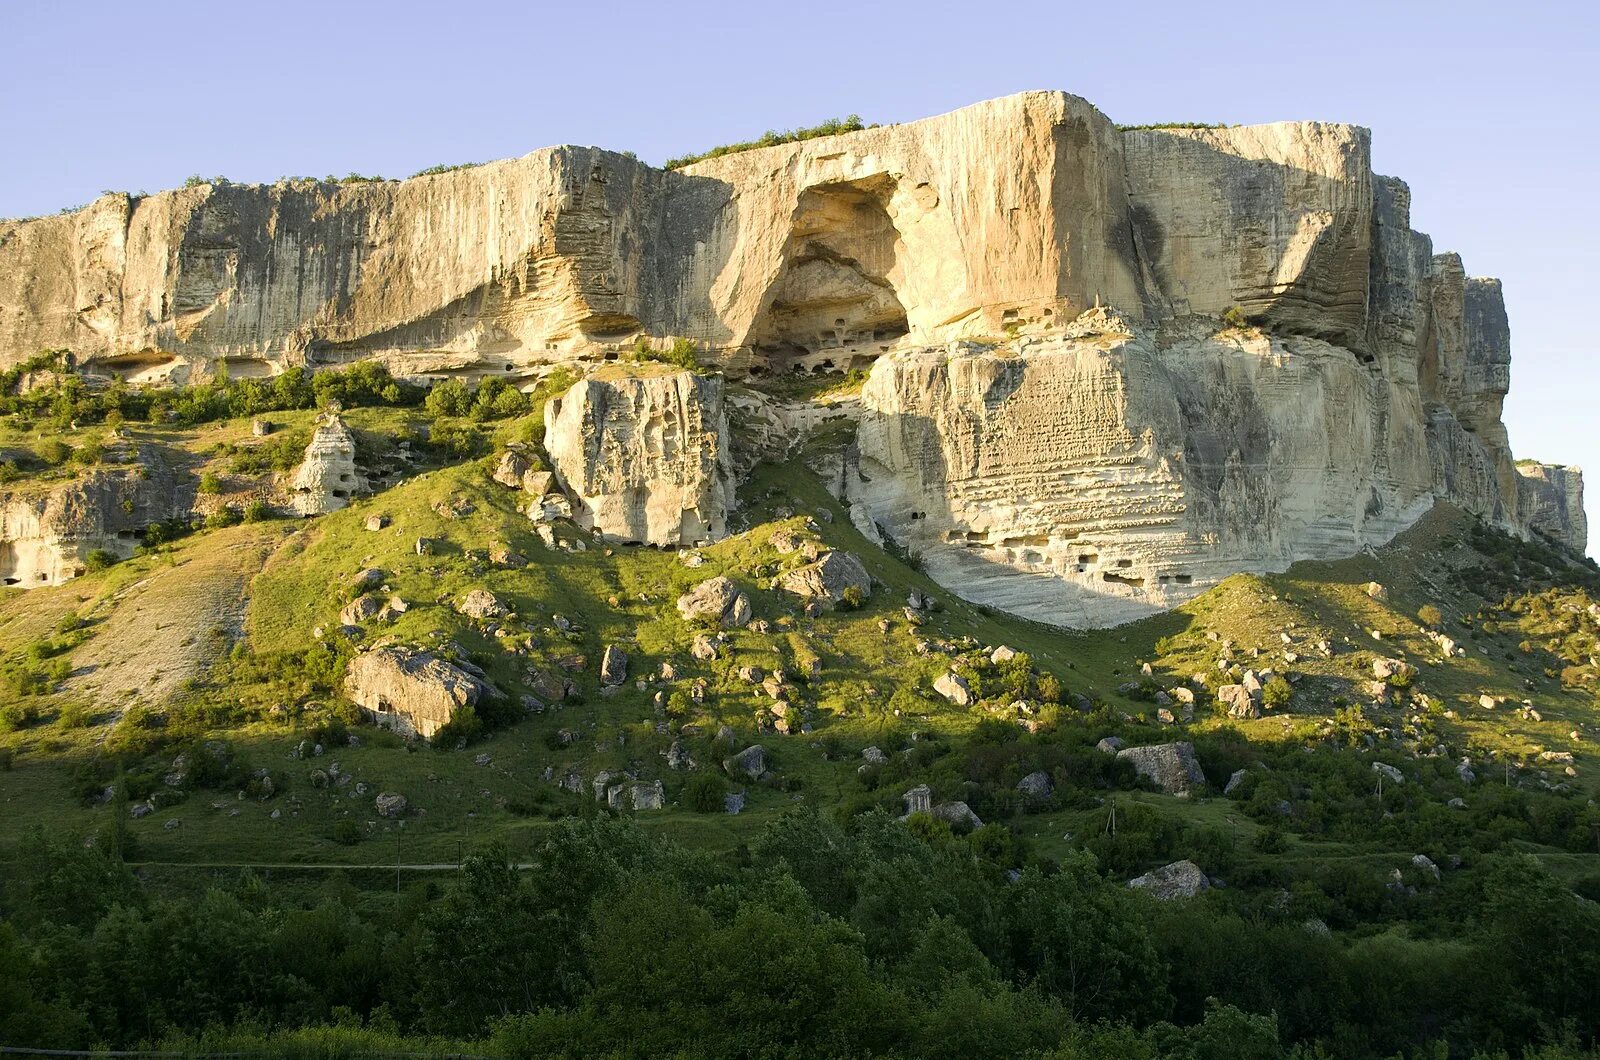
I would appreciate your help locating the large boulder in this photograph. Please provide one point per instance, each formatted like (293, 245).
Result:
(1238, 701)
(643, 453)
(613, 665)
(718, 599)
(482, 604)
(828, 578)
(751, 763)
(409, 690)
(1171, 767)
(954, 687)
(1181, 879)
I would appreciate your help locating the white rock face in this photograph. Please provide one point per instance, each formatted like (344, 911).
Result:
(413, 692)
(643, 454)
(48, 531)
(327, 476)
(1091, 480)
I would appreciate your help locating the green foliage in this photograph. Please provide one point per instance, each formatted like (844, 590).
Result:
(1276, 692)
(210, 483)
(98, 559)
(831, 127)
(1234, 317)
(1430, 616)
(682, 353)
(703, 792)
(434, 171)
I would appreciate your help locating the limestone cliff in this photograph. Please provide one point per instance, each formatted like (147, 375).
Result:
(1111, 365)
(642, 452)
(1550, 497)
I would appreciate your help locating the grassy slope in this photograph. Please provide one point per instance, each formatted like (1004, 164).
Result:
(625, 596)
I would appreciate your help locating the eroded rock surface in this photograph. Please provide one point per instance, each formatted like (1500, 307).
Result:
(411, 691)
(643, 454)
(327, 477)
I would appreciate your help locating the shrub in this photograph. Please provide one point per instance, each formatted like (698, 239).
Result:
(257, 511)
(1234, 317)
(771, 138)
(347, 831)
(1276, 692)
(222, 517)
(53, 451)
(703, 792)
(852, 598)
(1430, 616)
(210, 483)
(98, 559)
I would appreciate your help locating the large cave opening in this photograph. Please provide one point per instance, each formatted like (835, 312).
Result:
(834, 300)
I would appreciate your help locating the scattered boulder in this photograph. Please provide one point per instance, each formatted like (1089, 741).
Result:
(873, 756)
(613, 666)
(411, 691)
(1376, 590)
(733, 803)
(828, 578)
(1002, 654)
(482, 604)
(1181, 879)
(954, 687)
(377, 522)
(918, 800)
(957, 815)
(390, 804)
(1109, 745)
(751, 762)
(647, 796)
(360, 610)
(1234, 781)
(1389, 772)
(1425, 864)
(1171, 767)
(1036, 786)
(718, 599)
(1386, 669)
(704, 648)
(1238, 701)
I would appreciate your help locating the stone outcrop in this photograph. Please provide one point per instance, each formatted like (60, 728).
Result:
(327, 477)
(1109, 367)
(413, 692)
(717, 599)
(1181, 879)
(1171, 767)
(48, 530)
(830, 578)
(643, 454)
(1550, 500)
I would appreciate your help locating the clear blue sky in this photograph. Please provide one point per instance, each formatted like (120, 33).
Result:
(1489, 111)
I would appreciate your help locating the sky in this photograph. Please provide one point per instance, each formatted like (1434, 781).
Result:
(1489, 111)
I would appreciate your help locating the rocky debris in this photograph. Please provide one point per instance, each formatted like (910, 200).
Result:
(829, 578)
(733, 803)
(1003, 654)
(644, 455)
(1464, 772)
(377, 522)
(327, 477)
(426, 546)
(1234, 781)
(1238, 701)
(1109, 745)
(873, 756)
(364, 581)
(613, 666)
(482, 605)
(503, 555)
(918, 800)
(718, 599)
(519, 468)
(1389, 772)
(954, 687)
(456, 506)
(1171, 767)
(1181, 879)
(390, 804)
(409, 690)
(1388, 669)
(1376, 591)
(1036, 786)
(1425, 864)
(360, 610)
(704, 648)
(751, 762)
(958, 815)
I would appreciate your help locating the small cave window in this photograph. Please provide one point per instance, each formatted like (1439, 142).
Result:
(341, 494)
(1124, 563)
(43, 576)
(1183, 579)
(13, 581)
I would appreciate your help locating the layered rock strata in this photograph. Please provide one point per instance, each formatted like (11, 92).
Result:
(1111, 366)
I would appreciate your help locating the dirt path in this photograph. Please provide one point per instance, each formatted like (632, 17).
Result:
(173, 624)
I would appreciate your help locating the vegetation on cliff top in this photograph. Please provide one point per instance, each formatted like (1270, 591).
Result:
(771, 138)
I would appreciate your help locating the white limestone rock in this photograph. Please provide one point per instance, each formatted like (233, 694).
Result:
(327, 477)
(410, 691)
(643, 454)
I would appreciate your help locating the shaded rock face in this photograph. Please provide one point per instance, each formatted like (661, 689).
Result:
(1171, 767)
(644, 456)
(327, 477)
(413, 692)
(1181, 879)
(829, 578)
(46, 534)
(1550, 499)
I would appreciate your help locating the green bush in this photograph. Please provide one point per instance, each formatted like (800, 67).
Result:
(98, 559)
(1430, 616)
(1276, 692)
(831, 127)
(703, 792)
(347, 831)
(210, 483)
